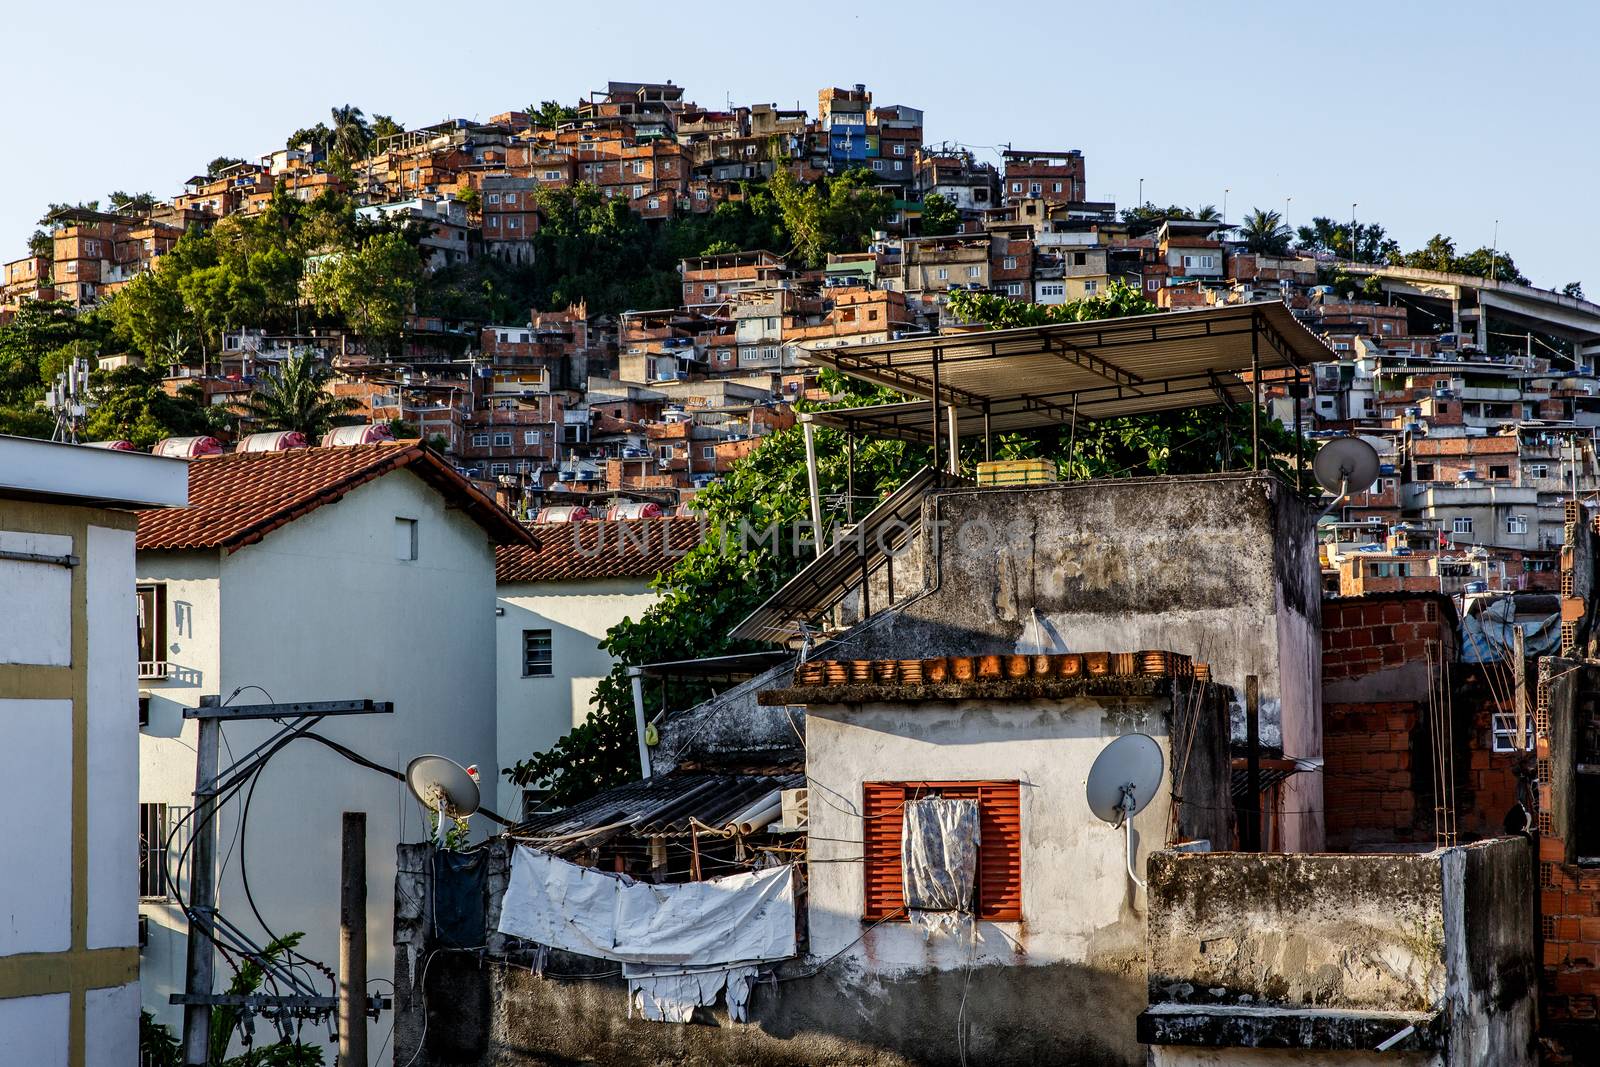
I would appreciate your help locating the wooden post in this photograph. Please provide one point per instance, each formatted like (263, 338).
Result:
(1250, 832)
(353, 942)
(199, 973)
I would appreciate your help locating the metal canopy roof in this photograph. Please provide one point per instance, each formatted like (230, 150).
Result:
(1042, 375)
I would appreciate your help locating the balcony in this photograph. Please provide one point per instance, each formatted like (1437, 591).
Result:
(154, 669)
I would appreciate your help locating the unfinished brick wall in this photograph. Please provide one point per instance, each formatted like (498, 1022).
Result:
(1368, 775)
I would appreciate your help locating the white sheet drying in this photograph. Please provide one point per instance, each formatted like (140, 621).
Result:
(680, 944)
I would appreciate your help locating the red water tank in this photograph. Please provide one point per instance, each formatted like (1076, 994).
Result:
(647, 509)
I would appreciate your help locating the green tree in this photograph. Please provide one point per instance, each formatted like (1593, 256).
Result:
(317, 138)
(129, 404)
(551, 114)
(385, 126)
(373, 287)
(1207, 213)
(295, 396)
(41, 244)
(1574, 290)
(940, 216)
(48, 217)
(131, 203)
(1372, 242)
(220, 164)
(1265, 234)
(829, 215)
(351, 133)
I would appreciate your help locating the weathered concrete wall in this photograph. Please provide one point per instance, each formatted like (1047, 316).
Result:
(1062, 986)
(1222, 568)
(731, 728)
(1259, 945)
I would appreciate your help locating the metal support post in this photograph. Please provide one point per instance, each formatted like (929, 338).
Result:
(199, 969)
(353, 942)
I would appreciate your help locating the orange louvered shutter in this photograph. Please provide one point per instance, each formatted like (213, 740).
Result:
(999, 847)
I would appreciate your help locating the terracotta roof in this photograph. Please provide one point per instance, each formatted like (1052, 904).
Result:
(239, 498)
(626, 548)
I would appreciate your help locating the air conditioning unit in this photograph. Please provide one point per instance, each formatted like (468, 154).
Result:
(796, 808)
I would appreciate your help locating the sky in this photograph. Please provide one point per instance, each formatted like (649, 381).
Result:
(1432, 118)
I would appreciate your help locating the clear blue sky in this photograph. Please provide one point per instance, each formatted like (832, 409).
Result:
(1434, 117)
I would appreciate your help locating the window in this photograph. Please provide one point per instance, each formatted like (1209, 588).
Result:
(638, 166)
(1516, 524)
(1080, 259)
(899, 148)
(152, 604)
(480, 440)
(1504, 733)
(1424, 472)
(1089, 288)
(999, 849)
(877, 164)
(1034, 188)
(494, 198)
(536, 658)
(973, 272)
(1538, 470)
(494, 222)
(552, 175)
(1052, 289)
(1153, 284)
(708, 451)
(1009, 263)
(710, 291)
(899, 165)
(511, 198)
(638, 191)
(1056, 188)
(405, 538)
(1500, 472)
(1013, 288)
(156, 823)
(700, 194)
(1461, 525)
(1016, 187)
(502, 438)
(530, 437)
(496, 469)
(513, 223)
(943, 274)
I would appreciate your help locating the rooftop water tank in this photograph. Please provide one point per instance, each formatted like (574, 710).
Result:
(187, 447)
(115, 446)
(562, 514)
(368, 434)
(634, 510)
(276, 441)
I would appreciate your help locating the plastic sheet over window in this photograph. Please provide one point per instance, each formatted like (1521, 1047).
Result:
(939, 856)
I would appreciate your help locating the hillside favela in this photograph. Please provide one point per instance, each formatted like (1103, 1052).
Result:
(703, 580)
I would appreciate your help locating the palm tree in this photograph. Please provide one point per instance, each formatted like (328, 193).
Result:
(1265, 234)
(294, 397)
(351, 134)
(1208, 213)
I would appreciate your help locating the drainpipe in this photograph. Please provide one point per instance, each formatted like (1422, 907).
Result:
(636, 677)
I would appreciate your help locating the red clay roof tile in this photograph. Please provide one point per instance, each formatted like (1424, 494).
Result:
(627, 548)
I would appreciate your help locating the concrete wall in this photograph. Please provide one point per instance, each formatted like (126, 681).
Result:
(1361, 945)
(323, 609)
(1064, 985)
(1222, 568)
(533, 713)
(68, 771)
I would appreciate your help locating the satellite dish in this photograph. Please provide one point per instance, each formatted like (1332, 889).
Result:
(443, 786)
(1345, 463)
(1123, 782)
(1125, 777)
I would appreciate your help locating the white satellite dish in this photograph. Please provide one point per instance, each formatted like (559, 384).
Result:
(444, 787)
(1123, 782)
(1343, 464)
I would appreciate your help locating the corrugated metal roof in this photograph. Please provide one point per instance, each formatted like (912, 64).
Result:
(1045, 375)
(661, 805)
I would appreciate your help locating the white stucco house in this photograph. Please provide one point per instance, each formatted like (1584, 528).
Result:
(364, 572)
(69, 750)
(555, 603)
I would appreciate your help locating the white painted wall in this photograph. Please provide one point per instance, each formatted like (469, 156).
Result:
(322, 609)
(111, 1025)
(33, 1031)
(535, 712)
(113, 761)
(36, 786)
(1076, 895)
(41, 634)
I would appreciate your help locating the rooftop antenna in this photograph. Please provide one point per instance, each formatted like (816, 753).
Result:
(68, 400)
(444, 787)
(1122, 782)
(1344, 463)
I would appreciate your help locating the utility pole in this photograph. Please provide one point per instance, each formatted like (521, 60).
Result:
(353, 942)
(199, 972)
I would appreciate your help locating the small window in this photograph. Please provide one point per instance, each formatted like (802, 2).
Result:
(877, 164)
(530, 437)
(1009, 263)
(1424, 472)
(999, 845)
(1516, 524)
(944, 274)
(1462, 525)
(1499, 472)
(1504, 737)
(156, 823)
(499, 468)
(513, 223)
(536, 654)
(502, 439)
(708, 451)
(1538, 470)
(152, 604)
(405, 538)
(511, 198)
(899, 148)
(1057, 187)
(480, 440)
(1091, 287)
(494, 198)
(973, 272)
(1080, 259)
(1013, 288)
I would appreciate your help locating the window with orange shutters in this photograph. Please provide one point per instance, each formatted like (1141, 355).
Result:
(999, 845)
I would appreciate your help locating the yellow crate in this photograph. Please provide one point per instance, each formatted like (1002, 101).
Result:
(1016, 472)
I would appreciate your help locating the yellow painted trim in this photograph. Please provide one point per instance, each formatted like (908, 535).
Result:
(40, 973)
(79, 969)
